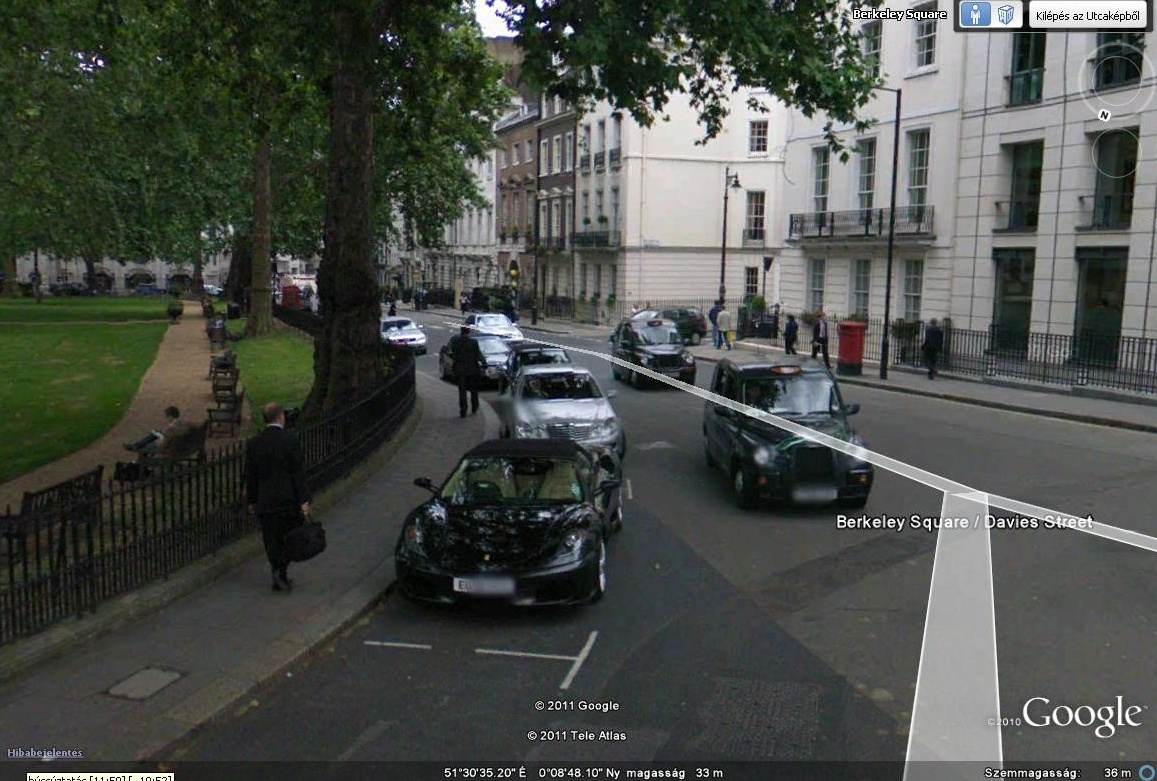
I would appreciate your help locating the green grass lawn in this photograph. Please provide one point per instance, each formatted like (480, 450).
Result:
(65, 386)
(84, 308)
(275, 367)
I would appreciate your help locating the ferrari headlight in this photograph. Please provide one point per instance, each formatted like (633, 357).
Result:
(414, 535)
(761, 456)
(574, 539)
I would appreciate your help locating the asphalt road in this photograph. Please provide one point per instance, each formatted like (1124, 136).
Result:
(744, 635)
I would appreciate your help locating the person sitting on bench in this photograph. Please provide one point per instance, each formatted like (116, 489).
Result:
(157, 441)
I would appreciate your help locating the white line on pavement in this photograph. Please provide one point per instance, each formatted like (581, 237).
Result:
(383, 644)
(630, 494)
(368, 736)
(578, 663)
(524, 654)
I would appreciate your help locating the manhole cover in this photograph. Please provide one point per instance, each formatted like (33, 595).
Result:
(751, 719)
(143, 684)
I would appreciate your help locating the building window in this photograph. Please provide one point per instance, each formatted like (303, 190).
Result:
(502, 157)
(1119, 59)
(599, 211)
(617, 132)
(1115, 155)
(919, 142)
(861, 286)
(556, 219)
(872, 36)
(614, 208)
(1024, 205)
(543, 221)
(815, 284)
(757, 137)
(529, 151)
(514, 154)
(583, 280)
(568, 217)
(543, 157)
(821, 164)
(1026, 79)
(756, 214)
(586, 138)
(601, 139)
(866, 159)
(586, 216)
(750, 281)
(529, 211)
(925, 37)
(556, 160)
(1012, 304)
(913, 288)
(568, 153)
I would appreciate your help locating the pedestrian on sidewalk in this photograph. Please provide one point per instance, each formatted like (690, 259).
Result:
(932, 347)
(713, 317)
(276, 488)
(790, 335)
(393, 309)
(820, 338)
(723, 319)
(468, 367)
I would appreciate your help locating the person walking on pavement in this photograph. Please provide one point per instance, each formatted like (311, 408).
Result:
(276, 488)
(790, 335)
(932, 347)
(468, 367)
(723, 320)
(820, 338)
(713, 317)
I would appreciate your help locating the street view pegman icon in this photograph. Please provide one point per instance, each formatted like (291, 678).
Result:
(975, 14)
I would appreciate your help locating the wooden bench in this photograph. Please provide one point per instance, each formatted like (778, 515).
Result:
(215, 330)
(226, 419)
(190, 448)
(222, 364)
(225, 382)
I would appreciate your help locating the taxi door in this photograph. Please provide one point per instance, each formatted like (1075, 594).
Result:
(720, 422)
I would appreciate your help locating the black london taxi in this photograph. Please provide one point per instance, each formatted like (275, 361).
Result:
(654, 344)
(765, 462)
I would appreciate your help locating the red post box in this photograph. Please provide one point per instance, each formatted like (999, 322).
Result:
(291, 297)
(851, 355)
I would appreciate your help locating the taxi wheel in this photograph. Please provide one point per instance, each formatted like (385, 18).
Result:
(615, 372)
(710, 459)
(743, 485)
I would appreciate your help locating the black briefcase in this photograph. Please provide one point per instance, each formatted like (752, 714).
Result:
(305, 541)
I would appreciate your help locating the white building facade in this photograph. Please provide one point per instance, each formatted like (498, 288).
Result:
(122, 277)
(649, 216)
(470, 257)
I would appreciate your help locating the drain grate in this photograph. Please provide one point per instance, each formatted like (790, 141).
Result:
(753, 719)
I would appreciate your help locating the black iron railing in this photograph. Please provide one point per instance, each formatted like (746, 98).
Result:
(1025, 88)
(910, 220)
(601, 238)
(1110, 212)
(615, 157)
(1020, 215)
(600, 160)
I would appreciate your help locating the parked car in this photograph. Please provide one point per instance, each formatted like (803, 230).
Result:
(561, 402)
(522, 521)
(530, 354)
(213, 290)
(495, 351)
(404, 332)
(765, 462)
(655, 344)
(692, 324)
(495, 324)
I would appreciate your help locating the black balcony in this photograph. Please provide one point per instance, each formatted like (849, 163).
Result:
(869, 223)
(584, 163)
(1018, 215)
(596, 239)
(1110, 212)
(754, 237)
(1025, 88)
(551, 242)
(600, 161)
(616, 157)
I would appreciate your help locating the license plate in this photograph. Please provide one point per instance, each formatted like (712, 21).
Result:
(815, 494)
(487, 587)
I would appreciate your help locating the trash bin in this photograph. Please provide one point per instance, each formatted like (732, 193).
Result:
(851, 353)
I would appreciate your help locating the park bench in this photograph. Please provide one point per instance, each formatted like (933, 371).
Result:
(190, 447)
(225, 420)
(215, 330)
(221, 364)
(225, 382)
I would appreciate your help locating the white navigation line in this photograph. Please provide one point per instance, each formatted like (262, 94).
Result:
(960, 598)
(386, 644)
(525, 654)
(574, 668)
(578, 662)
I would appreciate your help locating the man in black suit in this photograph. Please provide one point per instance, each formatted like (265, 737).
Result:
(468, 367)
(820, 338)
(933, 346)
(275, 488)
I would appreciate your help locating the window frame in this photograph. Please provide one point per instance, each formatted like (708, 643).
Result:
(821, 164)
(758, 136)
(755, 222)
(816, 272)
(917, 183)
(913, 294)
(876, 37)
(925, 34)
(862, 175)
(861, 297)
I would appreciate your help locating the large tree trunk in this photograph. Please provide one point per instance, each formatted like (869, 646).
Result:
(8, 266)
(90, 269)
(260, 300)
(237, 280)
(346, 356)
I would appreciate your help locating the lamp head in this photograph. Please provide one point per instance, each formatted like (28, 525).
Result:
(735, 181)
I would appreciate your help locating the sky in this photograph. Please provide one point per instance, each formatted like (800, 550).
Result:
(491, 24)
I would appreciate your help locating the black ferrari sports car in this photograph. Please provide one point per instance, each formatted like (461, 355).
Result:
(525, 521)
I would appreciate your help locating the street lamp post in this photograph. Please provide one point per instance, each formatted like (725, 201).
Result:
(730, 182)
(891, 237)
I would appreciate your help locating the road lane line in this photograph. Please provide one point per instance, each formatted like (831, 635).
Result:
(368, 736)
(524, 654)
(384, 644)
(578, 662)
(630, 493)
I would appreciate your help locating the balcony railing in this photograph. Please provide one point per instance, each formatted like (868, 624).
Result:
(600, 238)
(1110, 212)
(870, 223)
(616, 157)
(753, 237)
(585, 163)
(600, 160)
(1026, 87)
(1021, 215)
(552, 242)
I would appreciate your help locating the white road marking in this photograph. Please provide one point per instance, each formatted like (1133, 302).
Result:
(578, 663)
(655, 446)
(383, 644)
(525, 654)
(368, 736)
(630, 493)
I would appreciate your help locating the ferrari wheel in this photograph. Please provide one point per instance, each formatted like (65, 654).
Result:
(617, 518)
(601, 578)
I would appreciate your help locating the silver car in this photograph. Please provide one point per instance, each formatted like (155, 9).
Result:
(496, 324)
(404, 332)
(559, 401)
